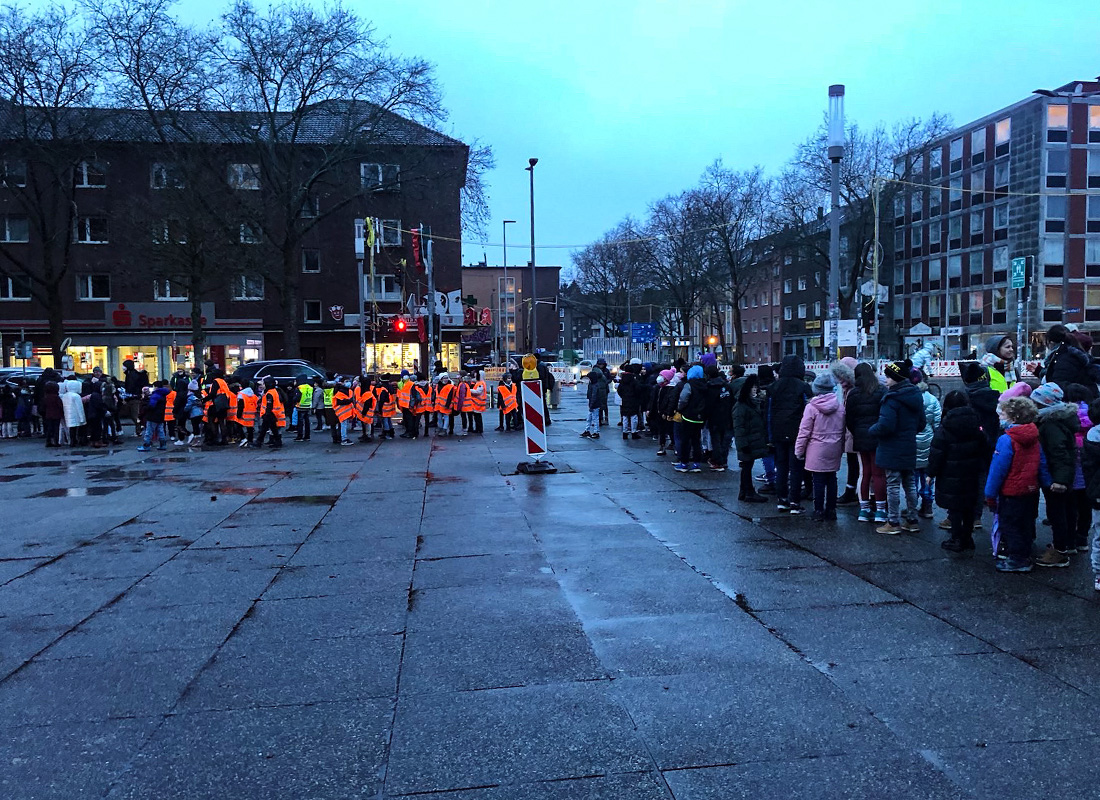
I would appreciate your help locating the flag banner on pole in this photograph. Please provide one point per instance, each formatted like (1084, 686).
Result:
(534, 418)
(414, 234)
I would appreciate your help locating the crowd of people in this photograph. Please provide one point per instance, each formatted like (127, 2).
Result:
(202, 407)
(998, 444)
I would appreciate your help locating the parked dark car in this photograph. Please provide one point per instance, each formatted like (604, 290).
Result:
(282, 368)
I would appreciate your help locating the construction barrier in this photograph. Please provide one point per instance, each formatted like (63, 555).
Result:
(534, 421)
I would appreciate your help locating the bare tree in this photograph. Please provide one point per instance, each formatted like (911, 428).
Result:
(868, 156)
(610, 273)
(48, 82)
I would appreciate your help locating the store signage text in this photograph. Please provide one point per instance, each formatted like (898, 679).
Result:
(155, 316)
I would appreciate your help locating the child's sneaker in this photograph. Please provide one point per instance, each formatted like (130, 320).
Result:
(143, 449)
(695, 467)
(880, 517)
(1052, 558)
(783, 506)
(796, 509)
(910, 526)
(680, 467)
(1096, 583)
(865, 515)
(889, 528)
(1014, 565)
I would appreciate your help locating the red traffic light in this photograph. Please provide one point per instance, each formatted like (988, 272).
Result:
(400, 325)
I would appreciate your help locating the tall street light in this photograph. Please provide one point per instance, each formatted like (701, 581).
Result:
(505, 294)
(836, 153)
(534, 294)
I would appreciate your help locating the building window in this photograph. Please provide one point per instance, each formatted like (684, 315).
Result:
(918, 164)
(13, 172)
(167, 289)
(954, 271)
(775, 297)
(918, 239)
(1092, 259)
(977, 187)
(754, 327)
(380, 177)
(817, 308)
(916, 205)
(899, 242)
(899, 208)
(802, 311)
(1057, 164)
(934, 234)
(90, 175)
(165, 176)
(1094, 167)
(954, 232)
(1058, 122)
(244, 176)
(955, 196)
(14, 289)
(561, 313)
(391, 233)
(93, 287)
(311, 260)
(935, 198)
(977, 227)
(786, 312)
(977, 146)
(956, 155)
(169, 231)
(764, 299)
(787, 286)
(933, 309)
(954, 308)
(801, 283)
(1094, 124)
(248, 287)
(916, 276)
(15, 228)
(1055, 214)
(977, 268)
(755, 302)
(1000, 220)
(916, 312)
(1002, 132)
(935, 163)
(1092, 221)
(1000, 264)
(977, 303)
(1052, 303)
(311, 207)
(90, 230)
(250, 233)
(1054, 251)
(935, 273)
(386, 289)
(1001, 173)
(311, 311)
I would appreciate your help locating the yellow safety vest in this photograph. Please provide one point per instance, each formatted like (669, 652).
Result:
(328, 397)
(306, 390)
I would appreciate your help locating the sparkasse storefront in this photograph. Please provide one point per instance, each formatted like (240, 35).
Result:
(156, 336)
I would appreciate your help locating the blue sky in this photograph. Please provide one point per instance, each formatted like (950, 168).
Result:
(625, 102)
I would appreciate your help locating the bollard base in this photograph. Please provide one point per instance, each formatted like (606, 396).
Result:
(535, 467)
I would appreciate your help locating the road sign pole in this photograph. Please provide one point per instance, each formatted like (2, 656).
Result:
(1019, 283)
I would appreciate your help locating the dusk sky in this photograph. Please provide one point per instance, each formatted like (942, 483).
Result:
(625, 102)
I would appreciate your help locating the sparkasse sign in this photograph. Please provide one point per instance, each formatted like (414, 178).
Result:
(155, 316)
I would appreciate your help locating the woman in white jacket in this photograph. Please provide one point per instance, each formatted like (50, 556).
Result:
(74, 409)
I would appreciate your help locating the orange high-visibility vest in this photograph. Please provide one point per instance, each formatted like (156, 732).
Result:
(479, 403)
(508, 402)
(388, 402)
(422, 400)
(444, 399)
(250, 404)
(272, 396)
(170, 407)
(231, 415)
(364, 403)
(404, 395)
(207, 407)
(343, 404)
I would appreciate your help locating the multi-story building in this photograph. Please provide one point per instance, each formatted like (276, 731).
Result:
(509, 300)
(1020, 183)
(113, 305)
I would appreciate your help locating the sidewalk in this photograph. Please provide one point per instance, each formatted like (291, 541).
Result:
(410, 618)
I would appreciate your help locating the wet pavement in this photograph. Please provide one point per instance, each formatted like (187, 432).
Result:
(414, 619)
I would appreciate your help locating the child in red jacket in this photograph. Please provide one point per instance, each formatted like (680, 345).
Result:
(1012, 489)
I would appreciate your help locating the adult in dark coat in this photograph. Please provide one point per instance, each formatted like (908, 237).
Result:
(719, 415)
(901, 418)
(956, 459)
(134, 380)
(786, 400)
(984, 401)
(630, 397)
(597, 400)
(861, 411)
(750, 432)
(1066, 363)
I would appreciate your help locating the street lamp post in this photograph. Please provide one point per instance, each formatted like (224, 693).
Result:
(836, 153)
(501, 316)
(534, 294)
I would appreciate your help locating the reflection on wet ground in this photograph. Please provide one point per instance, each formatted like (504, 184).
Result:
(79, 491)
(10, 478)
(308, 499)
(222, 488)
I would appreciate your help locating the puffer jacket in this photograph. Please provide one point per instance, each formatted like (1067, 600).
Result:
(750, 432)
(787, 399)
(861, 411)
(984, 401)
(719, 409)
(1090, 463)
(628, 393)
(1058, 427)
(821, 435)
(957, 455)
(901, 418)
(932, 413)
(1014, 469)
(597, 390)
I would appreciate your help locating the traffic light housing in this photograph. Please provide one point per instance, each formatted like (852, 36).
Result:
(400, 325)
(867, 312)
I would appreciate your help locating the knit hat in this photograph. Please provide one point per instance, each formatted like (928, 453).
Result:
(695, 372)
(993, 343)
(897, 371)
(667, 374)
(850, 362)
(823, 383)
(1047, 394)
(707, 359)
(1020, 389)
(636, 361)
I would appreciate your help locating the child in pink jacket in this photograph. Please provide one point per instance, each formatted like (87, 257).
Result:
(820, 444)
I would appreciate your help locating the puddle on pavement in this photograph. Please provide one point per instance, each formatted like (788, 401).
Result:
(278, 473)
(167, 460)
(10, 478)
(305, 499)
(221, 488)
(34, 464)
(431, 477)
(79, 491)
(124, 474)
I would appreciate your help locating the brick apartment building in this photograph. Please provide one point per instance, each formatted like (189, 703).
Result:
(116, 306)
(510, 308)
(1022, 182)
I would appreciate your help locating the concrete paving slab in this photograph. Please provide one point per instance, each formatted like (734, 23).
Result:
(635, 786)
(504, 605)
(24, 636)
(321, 551)
(13, 568)
(318, 751)
(476, 739)
(1062, 768)
(1077, 666)
(254, 534)
(799, 587)
(483, 570)
(325, 617)
(63, 599)
(1033, 617)
(358, 578)
(760, 712)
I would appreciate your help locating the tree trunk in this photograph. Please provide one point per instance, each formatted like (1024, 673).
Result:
(738, 333)
(198, 334)
(721, 329)
(292, 342)
(55, 316)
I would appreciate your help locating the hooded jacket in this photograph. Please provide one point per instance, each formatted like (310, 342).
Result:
(74, 406)
(1014, 470)
(957, 455)
(719, 406)
(821, 434)
(1068, 365)
(629, 393)
(901, 418)
(984, 401)
(692, 402)
(861, 411)
(52, 407)
(787, 399)
(597, 389)
(933, 411)
(1058, 427)
(750, 432)
(1090, 463)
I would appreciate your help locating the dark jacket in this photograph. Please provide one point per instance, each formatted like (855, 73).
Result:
(692, 403)
(1068, 365)
(629, 393)
(984, 401)
(1058, 427)
(901, 418)
(155, 410)
(956, 458)
(668, 398)
(597, 389)
(750, 432)
(1090, 464)
(719, 408)
(861, 411)
(135, 380)
(786, 400)
(52, 407)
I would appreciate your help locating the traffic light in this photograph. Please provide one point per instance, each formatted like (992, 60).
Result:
(867, 312)
(400, 325)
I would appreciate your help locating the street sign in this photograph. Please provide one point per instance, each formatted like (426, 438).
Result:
(1019, 273)
(641, 332)
(953, 330)
(920, 329)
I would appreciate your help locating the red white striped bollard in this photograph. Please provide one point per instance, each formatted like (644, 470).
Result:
(534, 428)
